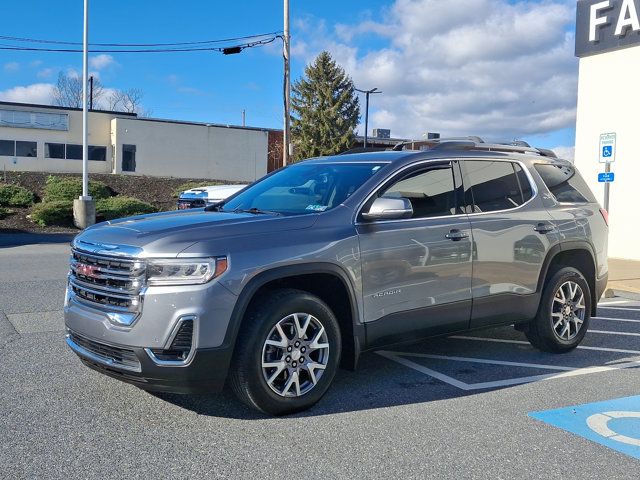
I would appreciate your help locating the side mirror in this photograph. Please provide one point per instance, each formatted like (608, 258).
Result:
(389, 209)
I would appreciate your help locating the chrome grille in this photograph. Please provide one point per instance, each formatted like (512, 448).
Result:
(103, 353)
(110, 283)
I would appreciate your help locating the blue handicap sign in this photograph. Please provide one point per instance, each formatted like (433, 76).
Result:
(612, 423)
(607, 151)
(606, 177)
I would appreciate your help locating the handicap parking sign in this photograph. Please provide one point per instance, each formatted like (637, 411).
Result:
(612, 423)
(607, 151)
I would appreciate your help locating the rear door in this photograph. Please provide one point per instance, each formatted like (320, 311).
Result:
(416, 272)
(512, 231)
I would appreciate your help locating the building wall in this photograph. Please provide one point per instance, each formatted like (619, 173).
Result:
(188, 150)
(99, 135)
(609, 101)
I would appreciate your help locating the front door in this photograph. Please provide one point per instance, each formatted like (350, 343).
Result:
(416, 272)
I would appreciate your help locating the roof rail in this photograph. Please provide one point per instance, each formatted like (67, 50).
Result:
(514, 147)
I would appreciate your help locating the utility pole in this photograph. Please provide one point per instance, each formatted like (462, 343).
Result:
(366, 111)
(286, 137)
(84, 208)
(244, 117)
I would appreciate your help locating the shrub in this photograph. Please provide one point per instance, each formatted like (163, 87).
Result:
(4, 212)
(15, 196)
(189, 185)
(59, 212)
(70, 188)
(118, 207)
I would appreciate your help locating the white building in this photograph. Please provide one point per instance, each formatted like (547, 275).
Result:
(49, 139)
(608, 44)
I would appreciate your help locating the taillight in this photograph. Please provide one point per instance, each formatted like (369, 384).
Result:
(605, 215)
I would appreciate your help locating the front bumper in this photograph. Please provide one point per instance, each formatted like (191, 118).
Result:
(205, 373)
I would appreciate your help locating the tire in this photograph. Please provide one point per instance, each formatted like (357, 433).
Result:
(564, 313)
(278, 374)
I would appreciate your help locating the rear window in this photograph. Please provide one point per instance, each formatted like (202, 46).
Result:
(565, 183)
(491, 186)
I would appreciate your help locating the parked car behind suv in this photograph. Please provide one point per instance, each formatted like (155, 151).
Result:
(205, 196)
(327, 258)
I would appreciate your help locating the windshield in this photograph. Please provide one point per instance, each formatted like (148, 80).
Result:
(303, 188)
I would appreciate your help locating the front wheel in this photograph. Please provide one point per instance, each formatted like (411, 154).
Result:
(287, 354)
(564, 313)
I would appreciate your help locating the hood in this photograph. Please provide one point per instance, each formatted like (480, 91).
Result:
(169, 233)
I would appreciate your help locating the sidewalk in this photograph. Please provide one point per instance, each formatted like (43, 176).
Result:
(624, 279)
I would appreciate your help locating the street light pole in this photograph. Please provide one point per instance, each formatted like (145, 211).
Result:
(286, 136)
(366, 111)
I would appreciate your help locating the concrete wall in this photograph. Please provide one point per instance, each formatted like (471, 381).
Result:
(99, 135)
(188, 150)
(609, 101)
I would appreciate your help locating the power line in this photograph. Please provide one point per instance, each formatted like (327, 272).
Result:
(257, 43)
(200, 42)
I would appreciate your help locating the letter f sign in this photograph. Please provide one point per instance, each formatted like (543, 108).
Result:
(595, 21)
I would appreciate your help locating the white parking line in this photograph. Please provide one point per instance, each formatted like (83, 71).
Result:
(628, 309)
(628, 334)
(521, 342)
(615, 302)
(485, 361)
(611, 319)
(399, 358)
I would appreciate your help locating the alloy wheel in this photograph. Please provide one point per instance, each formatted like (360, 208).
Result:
(295, 355)
(568, 310)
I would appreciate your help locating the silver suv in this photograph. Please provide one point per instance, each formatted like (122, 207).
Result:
(310, 266)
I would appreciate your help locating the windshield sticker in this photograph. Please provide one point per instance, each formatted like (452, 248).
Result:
(317, 208)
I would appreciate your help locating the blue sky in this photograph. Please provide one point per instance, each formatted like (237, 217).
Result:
(375, 41)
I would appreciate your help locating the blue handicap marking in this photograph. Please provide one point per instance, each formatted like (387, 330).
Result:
(612, 423)
(607, 151)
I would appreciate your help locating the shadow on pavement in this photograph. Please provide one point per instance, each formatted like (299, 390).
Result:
(18, 238)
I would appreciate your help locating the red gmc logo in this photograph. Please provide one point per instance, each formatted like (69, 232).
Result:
(87, 270)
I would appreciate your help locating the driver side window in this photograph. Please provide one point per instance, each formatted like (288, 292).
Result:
(431, 191)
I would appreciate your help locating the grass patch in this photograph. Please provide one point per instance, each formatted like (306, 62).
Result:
(70, 188)
(118, 207)
(15, 196)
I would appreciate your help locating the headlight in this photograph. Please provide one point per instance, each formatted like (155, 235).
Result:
(187, 271)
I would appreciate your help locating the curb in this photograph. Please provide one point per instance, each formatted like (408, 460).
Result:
(613, 292)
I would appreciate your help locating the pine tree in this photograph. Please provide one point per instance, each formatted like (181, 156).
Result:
(325, 108)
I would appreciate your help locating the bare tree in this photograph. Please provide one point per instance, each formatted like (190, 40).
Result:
(129, 100)
(68, 91)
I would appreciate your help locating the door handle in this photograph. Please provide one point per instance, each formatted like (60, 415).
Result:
(544, 228)
(456, 235)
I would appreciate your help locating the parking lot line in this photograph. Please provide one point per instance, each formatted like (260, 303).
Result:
(627, 334)
(614, 302)
(399, 357)
(628, 309)
(489, 362)
(522, 342)
(611, 319)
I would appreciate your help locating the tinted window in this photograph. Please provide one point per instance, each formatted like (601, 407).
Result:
(565, 183)
(54, 150)
(26, 149)
(431, 192)
(128, 158)
(491, 186)
(7, 147)
(304, 188)
(525, 184)
(74, 152)
(97, 153)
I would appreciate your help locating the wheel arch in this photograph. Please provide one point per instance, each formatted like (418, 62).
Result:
(327, 281)
(577, 254)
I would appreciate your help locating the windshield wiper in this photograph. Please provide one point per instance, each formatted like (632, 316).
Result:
(256, 211)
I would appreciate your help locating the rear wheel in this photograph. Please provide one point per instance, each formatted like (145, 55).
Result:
(564, 313)
(287, 353)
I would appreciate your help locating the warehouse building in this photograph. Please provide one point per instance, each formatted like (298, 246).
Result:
(608, 45)
(45, 138)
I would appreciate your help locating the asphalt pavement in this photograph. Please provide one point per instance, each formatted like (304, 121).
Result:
(453, 407)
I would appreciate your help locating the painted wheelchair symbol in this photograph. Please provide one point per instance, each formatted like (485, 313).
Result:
(607, 152)
(598, 423)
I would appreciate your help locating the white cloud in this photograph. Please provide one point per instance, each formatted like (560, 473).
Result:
(45, 73)
(567, 153)
(102, 61)
(36, 93)
(11, 67)
(487, 67)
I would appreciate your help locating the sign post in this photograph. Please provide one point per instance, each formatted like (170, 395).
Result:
(607, 155)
